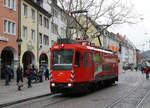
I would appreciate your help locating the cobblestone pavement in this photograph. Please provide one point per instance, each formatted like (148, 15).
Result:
(10, 93)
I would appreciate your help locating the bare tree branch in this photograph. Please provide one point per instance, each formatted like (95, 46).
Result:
(102, 12)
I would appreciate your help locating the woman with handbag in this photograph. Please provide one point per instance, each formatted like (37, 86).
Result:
(19, 77)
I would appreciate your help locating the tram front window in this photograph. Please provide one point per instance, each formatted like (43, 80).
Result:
(62, 59)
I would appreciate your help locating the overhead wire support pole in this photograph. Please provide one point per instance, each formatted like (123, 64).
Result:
(79, 12)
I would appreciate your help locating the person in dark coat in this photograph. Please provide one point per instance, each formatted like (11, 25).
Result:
(147, 71)
(7, 75)
(19, 77)
(30, 75)
(47, 74)
(41, 74)
(11, 74)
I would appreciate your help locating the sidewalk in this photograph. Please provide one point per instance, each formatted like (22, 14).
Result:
(10, 94)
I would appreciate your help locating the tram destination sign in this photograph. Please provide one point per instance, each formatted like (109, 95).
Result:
(3, 39)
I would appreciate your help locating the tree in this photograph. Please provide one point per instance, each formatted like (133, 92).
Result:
(105, 13)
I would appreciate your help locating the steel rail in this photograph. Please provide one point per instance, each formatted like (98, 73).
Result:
(116, 101)
(142, 100)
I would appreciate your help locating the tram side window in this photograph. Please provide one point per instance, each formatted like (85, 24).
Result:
(84, 59)
(77, 59)
(91, 59)
(106, 67)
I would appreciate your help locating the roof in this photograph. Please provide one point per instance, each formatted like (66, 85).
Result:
(39, 8)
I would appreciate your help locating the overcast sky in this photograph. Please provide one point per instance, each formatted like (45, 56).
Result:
(138, 33)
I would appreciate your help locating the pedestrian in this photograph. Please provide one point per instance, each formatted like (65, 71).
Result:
(29, 73)
(147, 71)
(36, 70)
(41, 74)
(7, 75)
(136, 68)
(35, 76)
(46, 74)
(142, 69)
(19, 77)
(11, 74)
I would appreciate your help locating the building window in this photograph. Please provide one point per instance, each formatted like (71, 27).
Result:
(54, 28)
(33, 14)
(13, 28)
(9, 27)
(5, 3)
(11, 4)
(14, 4)
(5, 26)
(46, 40)
(32, 35)
(34, 1)
(25, 33)
(40, 38)
(54, 12)
(25, 12)
(40, 19)
(41, 3)
(46, 23)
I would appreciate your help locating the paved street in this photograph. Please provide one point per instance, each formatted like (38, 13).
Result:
(9, 94)
(132, 91)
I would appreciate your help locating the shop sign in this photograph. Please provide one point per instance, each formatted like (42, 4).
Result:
(3, 39)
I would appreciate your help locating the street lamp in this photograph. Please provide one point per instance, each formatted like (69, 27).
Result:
(19, 41)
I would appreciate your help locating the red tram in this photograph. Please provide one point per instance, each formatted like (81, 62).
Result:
(77, 67)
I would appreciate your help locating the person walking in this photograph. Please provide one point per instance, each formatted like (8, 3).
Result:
(11, 74)
(19, 77)
(147, 71)
(142, 69)
(35, 77)
(46, 74)
(41, 74)
(29, 73)
(7, 75)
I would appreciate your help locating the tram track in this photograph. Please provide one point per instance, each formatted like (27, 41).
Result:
(116, 101)
(132, 91)
(142, 100)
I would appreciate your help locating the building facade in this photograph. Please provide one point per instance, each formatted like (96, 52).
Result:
(128, 52)
(58, 20)
(35, 33)
(28, 28)
(8, 35)
(44, 38)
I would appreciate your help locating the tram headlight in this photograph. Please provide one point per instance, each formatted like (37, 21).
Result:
(52, 84)
(69, 84)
